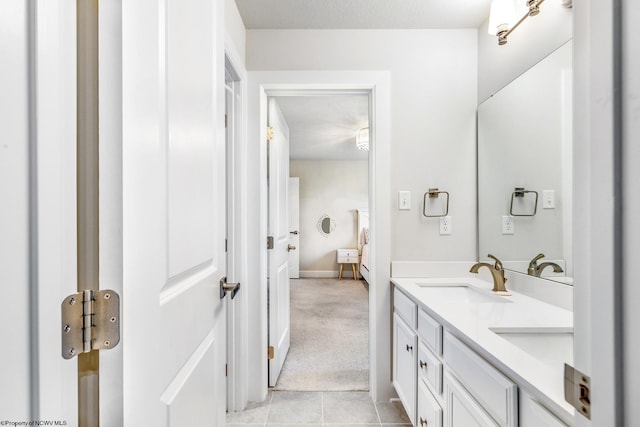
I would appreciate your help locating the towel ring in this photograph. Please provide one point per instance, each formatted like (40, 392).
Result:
(520, 192)
(434, 193)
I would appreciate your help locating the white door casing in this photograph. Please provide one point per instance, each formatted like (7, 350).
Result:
(38, 188)
(278, 218)
(294, 227)
(173, 213)
(376, 84)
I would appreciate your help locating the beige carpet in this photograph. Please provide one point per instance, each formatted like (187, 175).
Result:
(329, 337)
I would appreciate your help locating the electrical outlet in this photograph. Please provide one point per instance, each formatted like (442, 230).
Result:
(508, 227)
(445, 225)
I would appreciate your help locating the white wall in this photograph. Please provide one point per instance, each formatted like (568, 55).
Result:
(433, 103)
(533, 40)
(235, 32)
(335, 188)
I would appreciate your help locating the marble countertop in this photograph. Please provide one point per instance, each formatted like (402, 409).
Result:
(476, 320)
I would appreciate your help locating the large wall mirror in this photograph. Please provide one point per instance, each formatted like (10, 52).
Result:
(525, 171)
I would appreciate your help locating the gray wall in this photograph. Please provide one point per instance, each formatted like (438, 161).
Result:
(335, 188)
(433, 104)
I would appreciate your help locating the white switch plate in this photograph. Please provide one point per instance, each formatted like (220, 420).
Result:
(445, 225)
(404, 200)
(548, 199)
(508, 227)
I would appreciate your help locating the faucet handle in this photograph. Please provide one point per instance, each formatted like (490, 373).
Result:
(534, 261)
(498, 263)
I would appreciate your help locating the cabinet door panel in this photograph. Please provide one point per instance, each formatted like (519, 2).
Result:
(462, 409)
(405, 365)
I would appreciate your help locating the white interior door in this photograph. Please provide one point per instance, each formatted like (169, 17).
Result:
(294, 227)
(278, 229)
(173, 214)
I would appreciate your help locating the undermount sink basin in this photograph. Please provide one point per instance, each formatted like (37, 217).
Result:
(459, 292)
(552, 346)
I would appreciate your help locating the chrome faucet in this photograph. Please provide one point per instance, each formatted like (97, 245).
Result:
(536, 270)
(497, 272)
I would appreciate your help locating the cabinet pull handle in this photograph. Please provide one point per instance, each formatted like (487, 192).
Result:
(423, 364)
(409, 347)
(423, 422)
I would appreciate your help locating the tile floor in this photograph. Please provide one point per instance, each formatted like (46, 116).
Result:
(319, 409)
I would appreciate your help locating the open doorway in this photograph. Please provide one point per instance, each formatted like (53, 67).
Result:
(328, 231)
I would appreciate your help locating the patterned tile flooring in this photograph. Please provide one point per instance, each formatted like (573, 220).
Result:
(319, 409)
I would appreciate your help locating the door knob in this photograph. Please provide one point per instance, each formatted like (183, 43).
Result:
(290, 248)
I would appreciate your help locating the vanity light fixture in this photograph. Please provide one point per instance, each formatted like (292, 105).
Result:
(362, 139)
(503, 17)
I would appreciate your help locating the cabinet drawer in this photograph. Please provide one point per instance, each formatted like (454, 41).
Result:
(430, 331)
(429, 410)
(429, 368)
(348, 259)
(495, 392)
(404, 307)
(347, 253)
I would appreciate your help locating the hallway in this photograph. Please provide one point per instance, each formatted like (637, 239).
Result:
(316, 409)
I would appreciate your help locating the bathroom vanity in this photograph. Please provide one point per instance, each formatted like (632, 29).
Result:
(464, 356)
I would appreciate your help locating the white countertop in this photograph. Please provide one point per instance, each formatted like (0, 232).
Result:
(471, 321)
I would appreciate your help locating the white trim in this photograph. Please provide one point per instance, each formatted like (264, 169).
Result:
(319, 274)
(237, 332)
(377, 84)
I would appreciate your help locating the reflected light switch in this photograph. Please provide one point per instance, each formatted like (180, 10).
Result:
(548, 199)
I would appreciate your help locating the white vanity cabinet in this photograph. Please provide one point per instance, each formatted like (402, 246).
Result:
(440, 381)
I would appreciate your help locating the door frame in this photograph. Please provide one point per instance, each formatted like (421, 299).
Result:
(237, 332)
(376, 84)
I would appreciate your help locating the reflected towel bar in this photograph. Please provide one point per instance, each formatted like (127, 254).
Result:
(520, 192)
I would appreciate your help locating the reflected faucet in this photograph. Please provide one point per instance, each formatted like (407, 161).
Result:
(536, 270)
(497, 272)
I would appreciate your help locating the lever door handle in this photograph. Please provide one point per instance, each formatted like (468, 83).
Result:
(228, 287)
(294, 232)
(291, 248)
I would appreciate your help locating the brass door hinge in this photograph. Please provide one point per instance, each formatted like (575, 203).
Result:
(577, 390)
(269, 133)
(90, 321)
(271, 352)
(269, 242)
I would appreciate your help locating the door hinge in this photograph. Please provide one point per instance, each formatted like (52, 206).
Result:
(226, 370)
(269, 242)
(225, 121)
(90, 321)
(226, 245)
(269, 133)
(271, 352)
(577, 390)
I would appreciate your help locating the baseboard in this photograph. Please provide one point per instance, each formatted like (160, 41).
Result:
(318, 274)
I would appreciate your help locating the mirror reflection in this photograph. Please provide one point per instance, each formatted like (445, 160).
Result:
(525, 171)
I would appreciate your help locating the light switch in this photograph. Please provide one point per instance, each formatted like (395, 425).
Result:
(404, 200)
(548, 199)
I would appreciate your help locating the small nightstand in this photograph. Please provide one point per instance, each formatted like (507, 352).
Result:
(348, 256)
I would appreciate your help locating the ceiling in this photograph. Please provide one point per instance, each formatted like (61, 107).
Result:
(362, 14)
(324, 127)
